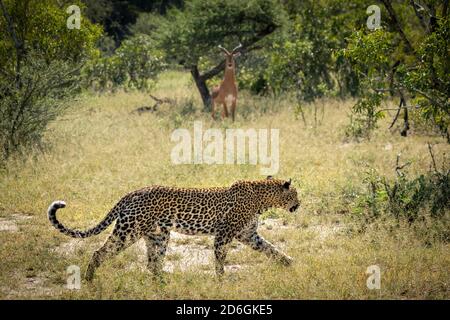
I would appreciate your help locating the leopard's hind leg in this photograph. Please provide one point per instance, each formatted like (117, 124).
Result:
(121, 238)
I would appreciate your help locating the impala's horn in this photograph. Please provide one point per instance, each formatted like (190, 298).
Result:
(237, 48)
(223, 49)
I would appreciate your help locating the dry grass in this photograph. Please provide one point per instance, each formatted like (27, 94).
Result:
(100, 151)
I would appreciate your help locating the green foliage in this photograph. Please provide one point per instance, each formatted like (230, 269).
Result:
(26, 110)
(296, 64)
(365, 115)
(369, 54)
(104, 73)
(140, 60)
(408, 198)
(135, 64)
(304, 57)
(42, 26)
(39, 68)
(251, 72)
(430, 80)
(147, 23)
(408, 60)
(196, 31)
(118, 16)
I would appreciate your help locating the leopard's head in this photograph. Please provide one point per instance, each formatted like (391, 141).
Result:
(285, 196)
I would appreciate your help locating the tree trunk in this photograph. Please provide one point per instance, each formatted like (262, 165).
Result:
(202, 88)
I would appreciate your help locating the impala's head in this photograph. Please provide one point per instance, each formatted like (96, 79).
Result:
(229, 56)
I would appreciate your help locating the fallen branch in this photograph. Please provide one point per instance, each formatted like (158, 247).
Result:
(163, 100)
(154, 107)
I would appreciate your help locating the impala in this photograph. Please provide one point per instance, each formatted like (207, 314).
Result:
(226, 92)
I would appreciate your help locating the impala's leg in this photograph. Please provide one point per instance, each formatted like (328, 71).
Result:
(213, 102)
(233, 108)
(225, 110)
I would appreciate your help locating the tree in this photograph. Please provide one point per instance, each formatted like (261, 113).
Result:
(26, 110)
(135, 64)
(39, 66)
(190, 37)
(40, 25)
(116, 16)
(406, 58)
(304, 57)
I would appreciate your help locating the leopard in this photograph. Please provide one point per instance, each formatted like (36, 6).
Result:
(151, 213)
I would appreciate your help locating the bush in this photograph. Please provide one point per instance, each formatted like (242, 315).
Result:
(364, 117)
(135, 64)
(411, 66)
(28, 107)
(405, 197)
(410, 199)
(34, 80)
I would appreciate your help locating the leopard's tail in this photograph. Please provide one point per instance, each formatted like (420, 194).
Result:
(51, 212)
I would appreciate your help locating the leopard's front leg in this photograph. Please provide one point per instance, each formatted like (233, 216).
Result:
(258, 243)
(156, 249)
(220, 251)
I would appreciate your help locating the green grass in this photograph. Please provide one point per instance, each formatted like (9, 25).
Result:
(100, 150)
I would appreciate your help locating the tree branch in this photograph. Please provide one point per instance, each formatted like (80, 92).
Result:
(445, 8)
(17, 43)
(395, 23)
(432, 100)
(398, 112)
(391, 77)
(213, 72)
(219, 68)
(247, 47)
(421, 18)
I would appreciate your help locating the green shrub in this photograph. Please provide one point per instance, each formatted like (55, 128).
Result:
(134, 65)
(411, 199)
(27, 109)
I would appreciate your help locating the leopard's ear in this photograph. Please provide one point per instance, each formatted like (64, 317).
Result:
(269, 178)
(287, 184)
